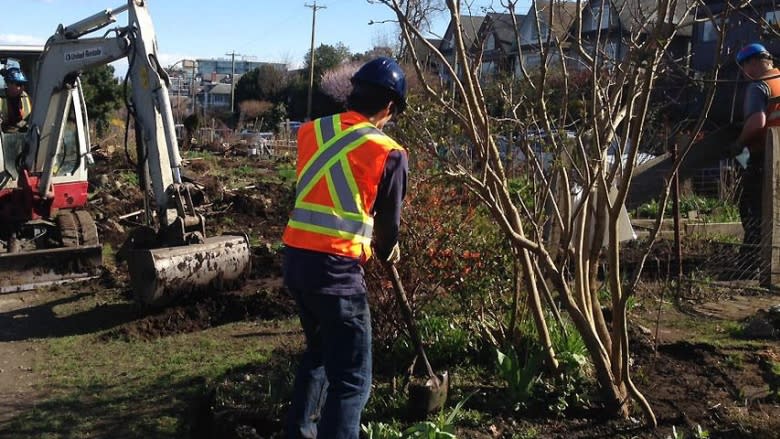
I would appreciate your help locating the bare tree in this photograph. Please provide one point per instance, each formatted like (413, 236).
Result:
(577, 111)
(336, 81)
(420, 14)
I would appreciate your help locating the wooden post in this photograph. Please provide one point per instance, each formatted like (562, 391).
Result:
(770, 212)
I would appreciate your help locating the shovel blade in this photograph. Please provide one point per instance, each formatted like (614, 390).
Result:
(428, 396)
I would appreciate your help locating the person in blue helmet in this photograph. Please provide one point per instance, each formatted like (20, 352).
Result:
(15, 104)
(759, 114)
(351, 182)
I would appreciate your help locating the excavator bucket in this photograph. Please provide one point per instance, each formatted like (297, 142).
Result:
(158, 276)
(28, 270)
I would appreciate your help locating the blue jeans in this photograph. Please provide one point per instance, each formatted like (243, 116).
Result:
(334, 377)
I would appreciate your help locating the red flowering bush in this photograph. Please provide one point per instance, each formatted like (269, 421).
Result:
(452, 261)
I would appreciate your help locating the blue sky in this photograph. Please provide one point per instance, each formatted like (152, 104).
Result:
(263, 30)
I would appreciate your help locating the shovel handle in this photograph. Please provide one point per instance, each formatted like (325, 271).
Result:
(406, 312)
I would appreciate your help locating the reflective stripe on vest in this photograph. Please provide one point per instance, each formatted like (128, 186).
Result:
(25, 103)
(347, 218)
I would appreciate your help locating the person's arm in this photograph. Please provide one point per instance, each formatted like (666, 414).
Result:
(389, 199)
(754, 111)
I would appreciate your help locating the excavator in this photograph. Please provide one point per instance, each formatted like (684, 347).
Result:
(47, 235)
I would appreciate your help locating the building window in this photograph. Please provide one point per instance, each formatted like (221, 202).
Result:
(490, 42)
(773, 18)
(600, 10)
(544, 31)
(488, 68)
(709, 33)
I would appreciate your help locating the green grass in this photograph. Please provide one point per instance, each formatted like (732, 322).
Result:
(286, 173)
(97, 388)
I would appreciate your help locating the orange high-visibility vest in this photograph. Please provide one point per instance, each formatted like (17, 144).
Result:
(26, 106)
(772, 110)
(341, 159)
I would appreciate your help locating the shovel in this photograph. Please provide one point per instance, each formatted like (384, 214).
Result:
(424, 397)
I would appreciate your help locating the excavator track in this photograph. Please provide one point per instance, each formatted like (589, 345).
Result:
(68, 228)
(87, 228)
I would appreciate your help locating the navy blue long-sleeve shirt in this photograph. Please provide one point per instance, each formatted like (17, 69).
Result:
(323, 273)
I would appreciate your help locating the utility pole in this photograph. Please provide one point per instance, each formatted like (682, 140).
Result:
(193, 89)
(232, 78)
(314, 8)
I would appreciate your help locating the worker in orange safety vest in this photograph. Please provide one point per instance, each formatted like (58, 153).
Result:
(759, 114)
(351, 181)
(15, 103)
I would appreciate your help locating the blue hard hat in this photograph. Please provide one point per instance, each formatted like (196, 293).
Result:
(385, 73)
(750, 51)
(15, 75)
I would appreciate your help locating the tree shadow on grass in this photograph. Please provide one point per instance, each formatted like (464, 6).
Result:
(158, 410)
(41, 321)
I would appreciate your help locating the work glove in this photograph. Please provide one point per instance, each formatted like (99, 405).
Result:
(395, 254)
(743, 157)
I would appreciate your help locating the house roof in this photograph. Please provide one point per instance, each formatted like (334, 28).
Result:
(564, 14)
(637, 15)
(502, 27)
(470, 25)
(422, 50)
(220, 89)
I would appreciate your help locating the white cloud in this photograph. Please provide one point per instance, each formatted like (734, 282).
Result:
(21, 39)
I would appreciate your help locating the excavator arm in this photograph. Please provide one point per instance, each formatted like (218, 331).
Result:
(172, 254)
(66, 54)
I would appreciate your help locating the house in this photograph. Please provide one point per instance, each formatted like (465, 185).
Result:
(495, 41)
(429, 61)
(214, 97)
(537, 32)
(470, 26)
(608, 24)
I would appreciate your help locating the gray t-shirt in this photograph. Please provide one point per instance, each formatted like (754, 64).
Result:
(757, 96)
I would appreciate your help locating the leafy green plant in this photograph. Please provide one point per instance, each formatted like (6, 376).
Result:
(675, 434)
(709, 209)
(699, 433)
(380, 430)
(446, 338)
(442, 427)
(429, 430)
(520, 376)
(129, 178)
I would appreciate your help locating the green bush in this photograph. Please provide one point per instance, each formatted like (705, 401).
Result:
(709, 209)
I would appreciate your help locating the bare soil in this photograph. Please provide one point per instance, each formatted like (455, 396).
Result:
(723, 386)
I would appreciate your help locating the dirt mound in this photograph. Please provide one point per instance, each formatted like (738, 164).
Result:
(200, 313)
(691, 384)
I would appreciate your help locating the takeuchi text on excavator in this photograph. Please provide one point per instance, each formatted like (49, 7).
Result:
(47, 235)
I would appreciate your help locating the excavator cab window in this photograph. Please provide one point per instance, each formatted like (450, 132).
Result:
(68, 159)
(12, 145)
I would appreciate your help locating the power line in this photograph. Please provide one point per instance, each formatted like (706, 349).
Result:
(314, 9)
